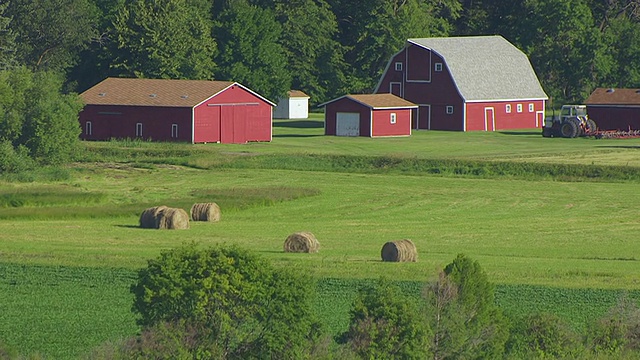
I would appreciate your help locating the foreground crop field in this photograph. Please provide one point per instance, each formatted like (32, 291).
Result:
(549, 244)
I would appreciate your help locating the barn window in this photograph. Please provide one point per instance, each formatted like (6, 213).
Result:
(139, 129)
(530, 107)
(393, 118)
(449, 109)
(507, 108)
(174, 130)
(438, 66)
(398, 66)
(519, 108)
(88, 128)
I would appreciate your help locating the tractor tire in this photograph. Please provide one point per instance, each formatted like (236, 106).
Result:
(569, 129)
(547, 132)
(591, 126)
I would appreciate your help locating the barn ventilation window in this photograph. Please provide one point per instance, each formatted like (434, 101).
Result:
(507, 108)
(88, 128)
(398, 66)
(438, 66)
(174, 130)
(449, 109)
(139, 129)
(519, 108)
(393, 118)
(531, 108)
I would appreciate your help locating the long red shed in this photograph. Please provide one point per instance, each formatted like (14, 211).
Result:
(615, 109)
(196, 111)
(466, 83)
(372, 115)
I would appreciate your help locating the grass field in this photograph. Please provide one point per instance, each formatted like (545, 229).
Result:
(69, 249)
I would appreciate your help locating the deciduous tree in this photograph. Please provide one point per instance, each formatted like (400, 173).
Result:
(251, 308)
(250, 49)
(168, 39)
(50, 33)
(384, 324)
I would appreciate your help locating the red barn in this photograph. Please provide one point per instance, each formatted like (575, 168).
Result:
(466, 83)
(196, 111)
(371, 115)
(615, 109)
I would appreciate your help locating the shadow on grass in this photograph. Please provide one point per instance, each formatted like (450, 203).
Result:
(299, 124)
(620, 147)
(131, 227)
(528, 133)
(295, 136)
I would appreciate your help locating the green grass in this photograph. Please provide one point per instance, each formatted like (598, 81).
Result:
(552, 221)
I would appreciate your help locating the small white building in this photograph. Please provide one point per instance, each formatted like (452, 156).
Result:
(294, 106)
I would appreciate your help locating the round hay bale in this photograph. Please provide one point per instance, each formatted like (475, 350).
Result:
(149, 217)
(399, 251)
(205, 212)
(173, 218)
(301, 242)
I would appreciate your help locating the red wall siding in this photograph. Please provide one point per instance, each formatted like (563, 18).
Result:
(615, 118)
(393, 75)
(438, 92)
(504, 120)
(235, 109)
(346, 105)
(249, 117)
(120, 122)
(382, 125)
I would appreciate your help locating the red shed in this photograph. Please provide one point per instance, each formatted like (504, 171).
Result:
(197, 111)
(371, 115)
(615, 109)
(466, 83)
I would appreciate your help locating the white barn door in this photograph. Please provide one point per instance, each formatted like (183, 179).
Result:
(347, 124)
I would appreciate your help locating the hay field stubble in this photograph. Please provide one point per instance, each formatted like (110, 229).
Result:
(551, 233)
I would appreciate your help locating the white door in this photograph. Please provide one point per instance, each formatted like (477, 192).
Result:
(347, 124)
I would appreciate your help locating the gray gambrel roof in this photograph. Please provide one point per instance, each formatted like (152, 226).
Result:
(486, 67)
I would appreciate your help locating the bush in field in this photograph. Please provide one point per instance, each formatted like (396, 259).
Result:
(250, 307)
(35, 115)
(543, 336)
(385, 324)
(466, 322)
(618, 331)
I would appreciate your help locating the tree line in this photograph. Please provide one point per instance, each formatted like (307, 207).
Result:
(323, 47)
(326, 48)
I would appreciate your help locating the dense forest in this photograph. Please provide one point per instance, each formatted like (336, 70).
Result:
(324, 47)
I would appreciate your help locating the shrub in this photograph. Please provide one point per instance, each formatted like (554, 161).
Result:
(543, 335)
(384, 324)
(251, 308)
(467, 323)
(618, 331)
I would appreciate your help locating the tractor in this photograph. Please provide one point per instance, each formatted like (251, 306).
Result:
(572, 122)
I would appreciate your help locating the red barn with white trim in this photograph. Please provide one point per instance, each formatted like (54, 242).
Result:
(372, 115)
(196, 111)
(615, 109)
(466, 83)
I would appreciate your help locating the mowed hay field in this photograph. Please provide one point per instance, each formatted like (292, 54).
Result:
(69, 249)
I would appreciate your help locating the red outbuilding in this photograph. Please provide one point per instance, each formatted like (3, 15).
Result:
(466, 83)
(371, 115)
(196, 111)
(615, 109)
